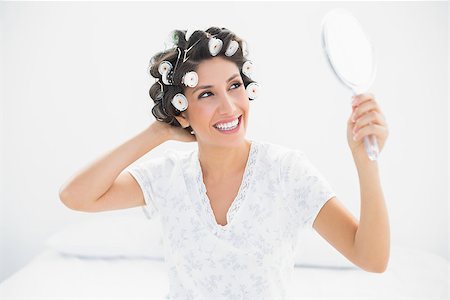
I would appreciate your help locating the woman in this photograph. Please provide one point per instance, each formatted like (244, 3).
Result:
(231, 209)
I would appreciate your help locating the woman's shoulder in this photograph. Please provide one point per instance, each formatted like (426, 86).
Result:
(179, 157)
(167, 159)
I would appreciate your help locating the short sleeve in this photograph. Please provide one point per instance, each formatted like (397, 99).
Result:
(305, 189)
(153, 177)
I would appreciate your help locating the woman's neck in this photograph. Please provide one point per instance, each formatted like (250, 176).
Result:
(219, 163)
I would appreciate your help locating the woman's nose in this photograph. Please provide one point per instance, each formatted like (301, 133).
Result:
(227, 104)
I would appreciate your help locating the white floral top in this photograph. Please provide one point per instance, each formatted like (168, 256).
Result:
(252, 256)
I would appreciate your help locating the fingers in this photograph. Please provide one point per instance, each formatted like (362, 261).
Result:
(373, 117)
(364, 105)
(363, 97)
(367, 119)
(378, 130)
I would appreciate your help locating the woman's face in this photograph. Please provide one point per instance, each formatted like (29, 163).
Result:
(224, 100)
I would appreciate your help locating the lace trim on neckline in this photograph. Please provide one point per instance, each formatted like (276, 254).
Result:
(241, 195)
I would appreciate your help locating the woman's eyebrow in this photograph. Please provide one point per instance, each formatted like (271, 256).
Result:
(210, 86)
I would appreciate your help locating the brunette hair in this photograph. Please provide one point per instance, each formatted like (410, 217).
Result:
(163, 110)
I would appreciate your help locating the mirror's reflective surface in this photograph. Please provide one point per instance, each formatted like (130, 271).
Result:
(351, 57)
(350, 52)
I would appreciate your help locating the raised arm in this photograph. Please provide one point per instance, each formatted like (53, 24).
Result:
(365, 242)
(83, 191)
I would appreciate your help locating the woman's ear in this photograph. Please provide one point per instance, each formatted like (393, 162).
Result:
(182, 120)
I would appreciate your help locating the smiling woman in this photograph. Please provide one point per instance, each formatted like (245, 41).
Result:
(217, 110)
(189, 51)
(232, 208)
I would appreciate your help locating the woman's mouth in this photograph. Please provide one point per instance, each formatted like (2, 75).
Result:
(230, 127)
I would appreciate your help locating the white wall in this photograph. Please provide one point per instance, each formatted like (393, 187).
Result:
(74, 85)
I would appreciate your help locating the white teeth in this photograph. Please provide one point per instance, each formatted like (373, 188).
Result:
(228, 125)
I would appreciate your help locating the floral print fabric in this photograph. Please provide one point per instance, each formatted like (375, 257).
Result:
(252, 256)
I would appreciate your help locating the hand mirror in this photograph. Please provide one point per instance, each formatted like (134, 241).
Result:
(350, 55)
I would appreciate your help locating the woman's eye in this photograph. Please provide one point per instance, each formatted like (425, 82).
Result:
(201, 95)
(237, 84)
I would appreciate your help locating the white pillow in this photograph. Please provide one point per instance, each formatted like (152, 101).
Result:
(111, 237)
(128, 237)
(313, 250)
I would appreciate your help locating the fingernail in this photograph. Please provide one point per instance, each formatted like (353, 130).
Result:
(354, 137)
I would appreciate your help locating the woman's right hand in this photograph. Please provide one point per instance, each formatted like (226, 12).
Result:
(174, 133)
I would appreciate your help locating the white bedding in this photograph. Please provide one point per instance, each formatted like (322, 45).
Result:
(412, 274)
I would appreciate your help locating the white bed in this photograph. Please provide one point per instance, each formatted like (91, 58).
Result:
(109, 259)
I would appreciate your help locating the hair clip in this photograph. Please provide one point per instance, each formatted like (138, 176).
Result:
(247, 68)
(166, 70)
(180, 102)
(252, 90)
(190, 79)
(232, 48)
(215, 45)
(167, 78)
(179, 55)
(187, 50)
(160, 94)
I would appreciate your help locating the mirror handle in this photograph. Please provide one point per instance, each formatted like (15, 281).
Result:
(371, 146)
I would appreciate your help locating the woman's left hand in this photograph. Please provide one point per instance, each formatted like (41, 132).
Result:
(368, 120)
